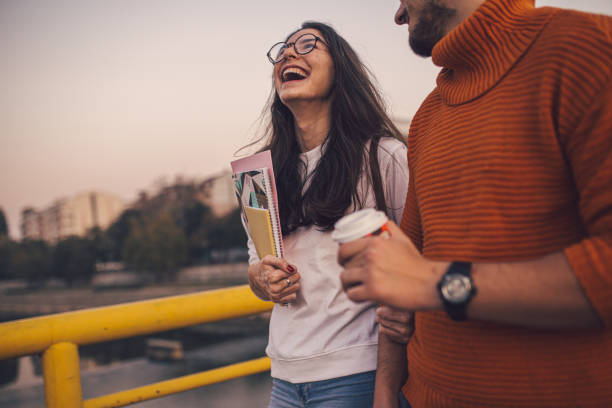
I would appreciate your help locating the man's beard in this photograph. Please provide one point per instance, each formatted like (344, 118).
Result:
(430, 28)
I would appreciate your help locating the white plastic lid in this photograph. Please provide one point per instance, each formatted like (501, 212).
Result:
(358, 225)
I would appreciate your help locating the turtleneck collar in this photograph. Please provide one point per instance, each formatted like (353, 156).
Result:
(482, 49)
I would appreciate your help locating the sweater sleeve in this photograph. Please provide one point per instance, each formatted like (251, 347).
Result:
(589, 153)
(411, 220)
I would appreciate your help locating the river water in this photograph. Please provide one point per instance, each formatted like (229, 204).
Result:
(251, 391)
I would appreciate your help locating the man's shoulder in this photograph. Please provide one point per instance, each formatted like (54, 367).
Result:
(429, 107)
(579, 30)
(582, 16)
(576, 48)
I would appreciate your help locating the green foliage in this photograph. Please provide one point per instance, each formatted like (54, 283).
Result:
(74, 260)
(3, 225)
(193, 218)
(103, 246)
(156, 245)
(31, 260)
(7, 249)
(163, 234)
(226, 232)
(118, 232)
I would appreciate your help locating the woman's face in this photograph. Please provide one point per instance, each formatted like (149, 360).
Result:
(307, 77)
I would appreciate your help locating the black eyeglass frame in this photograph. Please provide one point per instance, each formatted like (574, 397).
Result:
(287, 45)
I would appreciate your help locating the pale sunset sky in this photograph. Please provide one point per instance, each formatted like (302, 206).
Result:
(113, 95)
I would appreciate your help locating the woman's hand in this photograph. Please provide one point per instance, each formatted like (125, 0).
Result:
(396, 324)
(274, 279)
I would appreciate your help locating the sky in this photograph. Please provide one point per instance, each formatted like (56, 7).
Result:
(120, 95)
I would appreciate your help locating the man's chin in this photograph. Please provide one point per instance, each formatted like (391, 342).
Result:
(421, 47)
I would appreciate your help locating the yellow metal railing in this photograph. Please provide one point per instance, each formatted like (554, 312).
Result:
(58, 337)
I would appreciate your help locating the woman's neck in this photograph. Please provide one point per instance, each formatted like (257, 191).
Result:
(312, 124)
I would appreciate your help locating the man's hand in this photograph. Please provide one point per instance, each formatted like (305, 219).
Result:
(390, 271)
(396, 324)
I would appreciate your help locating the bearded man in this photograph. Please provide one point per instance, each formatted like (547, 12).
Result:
(505, 247)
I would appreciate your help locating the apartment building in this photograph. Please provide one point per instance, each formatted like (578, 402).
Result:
(217, 192)
(71, 216)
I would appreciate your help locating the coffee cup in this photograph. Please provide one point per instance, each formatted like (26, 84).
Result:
(360, 224)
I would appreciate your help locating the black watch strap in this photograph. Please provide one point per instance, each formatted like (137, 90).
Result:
(463, 268)
(458, 311)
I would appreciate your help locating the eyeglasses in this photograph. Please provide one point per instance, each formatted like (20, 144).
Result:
(303, 45)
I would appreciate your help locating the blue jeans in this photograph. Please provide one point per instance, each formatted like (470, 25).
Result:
(403, 402)
(352, 391)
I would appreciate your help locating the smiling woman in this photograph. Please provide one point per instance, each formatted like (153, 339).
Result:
(303, 74)
(334, 151)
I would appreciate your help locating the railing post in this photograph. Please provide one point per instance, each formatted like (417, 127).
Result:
(62, 376)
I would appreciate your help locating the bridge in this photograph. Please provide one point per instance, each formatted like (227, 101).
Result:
(58, 337)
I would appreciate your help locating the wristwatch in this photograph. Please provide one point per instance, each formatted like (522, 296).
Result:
(456, 289)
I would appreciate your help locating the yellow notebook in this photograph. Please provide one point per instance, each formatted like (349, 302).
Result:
(260, 226)
(253, 179)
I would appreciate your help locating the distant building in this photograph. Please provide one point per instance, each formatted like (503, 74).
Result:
(31, 223)
(71, 216)
(216, 192)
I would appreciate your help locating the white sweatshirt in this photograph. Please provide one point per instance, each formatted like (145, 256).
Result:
(324, 334)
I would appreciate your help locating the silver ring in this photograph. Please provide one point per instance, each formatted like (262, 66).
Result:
(288, 281)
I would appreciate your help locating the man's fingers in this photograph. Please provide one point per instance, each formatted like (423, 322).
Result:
(348, 250)
(350, 277)
(357, 293)
(397, 233)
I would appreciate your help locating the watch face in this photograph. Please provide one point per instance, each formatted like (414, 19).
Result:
(456, 288)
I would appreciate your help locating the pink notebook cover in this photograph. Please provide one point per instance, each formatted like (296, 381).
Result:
(258, 161)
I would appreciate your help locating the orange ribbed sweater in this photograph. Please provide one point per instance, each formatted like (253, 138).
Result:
(511, 159)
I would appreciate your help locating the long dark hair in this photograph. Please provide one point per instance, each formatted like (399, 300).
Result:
(357, 116)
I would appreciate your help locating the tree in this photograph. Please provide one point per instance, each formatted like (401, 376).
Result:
(31, 260)
(227, 232)
(156, 245)
(7, 249)
(226, 239)
(103, 246)
(119, 231)
(193, 218)
(74, 260)
(3, 225)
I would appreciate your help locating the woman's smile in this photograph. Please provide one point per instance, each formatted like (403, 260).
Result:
(293, 73)
(304, 77)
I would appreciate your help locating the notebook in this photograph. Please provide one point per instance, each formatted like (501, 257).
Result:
(253, 179)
